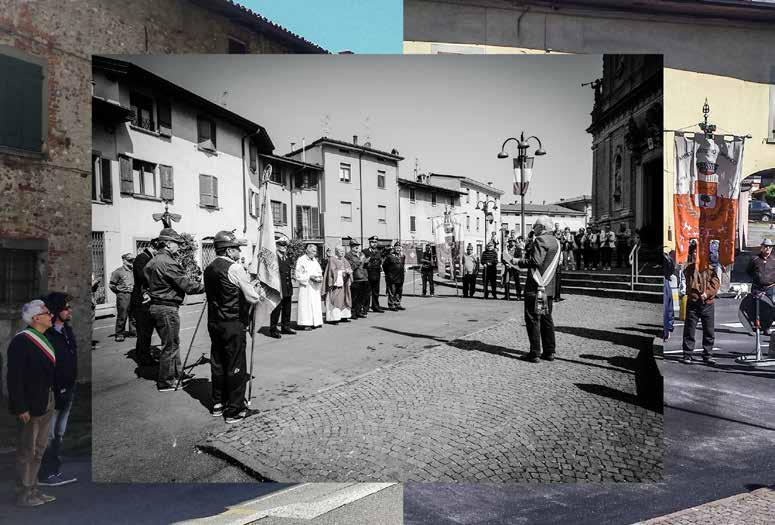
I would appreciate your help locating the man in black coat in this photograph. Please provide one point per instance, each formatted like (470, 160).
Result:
(360, 283)
(489, 260)
(426, 270)
(373, 266)
(284, 306)
(394, 277)
(62, 338)
(542, 259)
(140, 304)
(31, 365)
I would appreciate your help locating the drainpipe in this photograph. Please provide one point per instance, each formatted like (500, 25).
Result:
(360, 176)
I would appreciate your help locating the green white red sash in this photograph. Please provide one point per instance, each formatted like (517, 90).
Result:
(40, 341)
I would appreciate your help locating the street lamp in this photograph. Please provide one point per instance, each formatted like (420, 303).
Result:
(487, 206)
(523, 168)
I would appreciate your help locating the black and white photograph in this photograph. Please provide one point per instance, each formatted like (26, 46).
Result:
(376, 269)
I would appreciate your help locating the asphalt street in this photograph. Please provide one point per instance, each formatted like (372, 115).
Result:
(719, 441)
(141, 435)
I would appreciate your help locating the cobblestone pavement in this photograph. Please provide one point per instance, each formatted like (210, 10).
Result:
(468, 409)
(752, 508)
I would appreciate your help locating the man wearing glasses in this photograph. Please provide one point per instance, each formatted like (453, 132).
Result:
(31, 365)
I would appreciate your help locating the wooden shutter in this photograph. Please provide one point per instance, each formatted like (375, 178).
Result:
(253, 153)
(285, 214)
(300, 221)
(167, 183)
(214, 186)
(106, 182)
(315, 219)
(127, 179)
(165, 117)
(205, 191)
(21, 97)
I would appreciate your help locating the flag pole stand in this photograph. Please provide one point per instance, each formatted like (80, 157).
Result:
(191, 344)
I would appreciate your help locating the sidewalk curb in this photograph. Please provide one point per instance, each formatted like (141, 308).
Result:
(731, 499)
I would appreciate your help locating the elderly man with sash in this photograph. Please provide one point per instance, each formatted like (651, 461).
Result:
(541, 261)
(31, 365)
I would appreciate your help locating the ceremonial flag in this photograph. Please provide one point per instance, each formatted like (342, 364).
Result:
(522, 175)
(410, 252)
(265, 265)
(707, 185)
(443, 252)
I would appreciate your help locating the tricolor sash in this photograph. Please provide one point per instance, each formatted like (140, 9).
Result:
(40, 341)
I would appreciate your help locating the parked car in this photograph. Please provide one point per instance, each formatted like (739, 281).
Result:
(759, 211)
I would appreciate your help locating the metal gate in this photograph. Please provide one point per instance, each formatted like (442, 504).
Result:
(141, 245)
(208, 253)
(98, 264)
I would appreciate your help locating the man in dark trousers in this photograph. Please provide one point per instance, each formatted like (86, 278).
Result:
(62, 338)
(121, 284)
(702, 285)
(229, 296)
(490, 264)
(515, 252)
(140, 304)
(284, 306)
(360, 282)
(373, 265)
(394, 277)
(426, 270)
(30, 380)
(168, 284)
(470, 271)
(541, 261)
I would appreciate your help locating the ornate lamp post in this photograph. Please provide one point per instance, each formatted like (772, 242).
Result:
(487, 206)
(523, 168)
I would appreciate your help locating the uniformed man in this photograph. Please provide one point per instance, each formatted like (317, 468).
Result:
(121, 284)
(394, 277)
(284, 306)
(168, 284)
(140, 304)
(360, 282)
(229, 296)
(373, 265)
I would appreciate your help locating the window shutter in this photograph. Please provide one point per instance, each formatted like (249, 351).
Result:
(315, 219)
(21, 92)
(203, 130)
(285, 214)
(212, 133)
(253, 153)
(251, 210)
(106, 188)
(205, 194)
(214, 191)
(165, 117)
(300, 221)
(125, 169)
(167, 183)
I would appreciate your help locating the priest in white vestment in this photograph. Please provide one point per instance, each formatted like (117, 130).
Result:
(310, 277)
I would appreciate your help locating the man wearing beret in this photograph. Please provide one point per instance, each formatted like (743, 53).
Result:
(168, 284)
(121, 283)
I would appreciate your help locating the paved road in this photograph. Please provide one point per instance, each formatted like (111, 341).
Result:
(758, 231)
(750, 508)
(719, 442)
(467, 409)
(141, 435)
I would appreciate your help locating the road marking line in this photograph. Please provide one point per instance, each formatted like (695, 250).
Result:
(733, 325)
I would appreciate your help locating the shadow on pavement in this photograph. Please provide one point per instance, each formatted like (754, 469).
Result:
(619, 361)
(722, 418)
(612, 393)
(200, 390)
(633, 341)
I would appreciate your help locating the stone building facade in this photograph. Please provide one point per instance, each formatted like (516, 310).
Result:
(45, 171)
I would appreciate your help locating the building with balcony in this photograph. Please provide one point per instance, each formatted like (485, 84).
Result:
(420, 201)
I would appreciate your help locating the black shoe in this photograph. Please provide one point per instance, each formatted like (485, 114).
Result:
(400, 308)
(166, 388)
(120, 338)
(131, 334)
(275, 334)
(288, 331)
(378, 309)
(217, 410)
(306, 328)
(548, 357)
(708, 360)
(530, 358)
(392, 309)
(687, 359)
(344, 320)
(236, 418)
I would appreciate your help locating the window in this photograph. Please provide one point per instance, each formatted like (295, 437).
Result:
(208, 191)
(305, 181)
(412, 195)
(237, 47)
(468, 223)
(433, 198)
(252, 156)
(23, 267)
(477, 224)
(143, 179)
(452, 200)
(468, 195)
(344, 172)
(381, 179)
(23, 101)
(278, 175)
(412, 223)
(347, 210)
(307, 222)
(556, 225)
(205, 133)
(279, 213)
(382, 214)
(253, 204)
(101, 189)
(98, 265)
(142, 111)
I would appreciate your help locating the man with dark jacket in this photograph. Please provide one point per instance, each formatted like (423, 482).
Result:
(394, 277)
(31, 365)
(284, 306)
(229, 296)
(121, 284)
(360, 281)
(490, 264)
(140, 305)
(541, 261)
(470, 271)
(373, 266)
(514, 251)
(168, 284)
(701, 289)
(62, 338)
(426, 270)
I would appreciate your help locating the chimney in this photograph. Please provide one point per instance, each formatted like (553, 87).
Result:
(489, 183)
(355, 139)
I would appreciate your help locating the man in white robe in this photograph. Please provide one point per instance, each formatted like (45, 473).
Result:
(310, 277)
